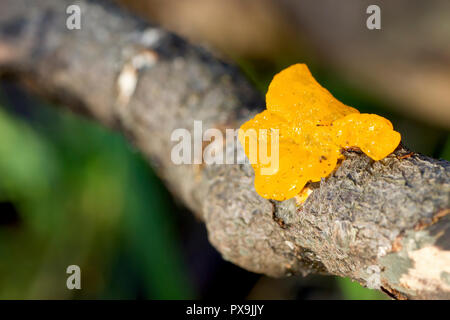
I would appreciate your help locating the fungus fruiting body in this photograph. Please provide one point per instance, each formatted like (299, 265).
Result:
(310, 128)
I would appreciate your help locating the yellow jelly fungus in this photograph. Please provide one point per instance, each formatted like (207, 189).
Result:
(309, 127)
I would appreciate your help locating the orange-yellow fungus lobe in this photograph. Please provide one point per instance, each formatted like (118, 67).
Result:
(296, 94)
(309, 127)
(373, 134)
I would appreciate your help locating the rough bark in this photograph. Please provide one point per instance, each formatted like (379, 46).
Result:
(384, 224)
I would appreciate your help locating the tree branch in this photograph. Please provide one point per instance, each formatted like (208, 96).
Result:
(384, 224)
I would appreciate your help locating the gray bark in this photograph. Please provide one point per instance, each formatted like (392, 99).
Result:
(384, 224)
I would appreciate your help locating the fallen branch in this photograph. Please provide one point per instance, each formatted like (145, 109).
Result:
(384, 224)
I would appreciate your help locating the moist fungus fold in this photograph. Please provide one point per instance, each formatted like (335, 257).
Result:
(310, 128)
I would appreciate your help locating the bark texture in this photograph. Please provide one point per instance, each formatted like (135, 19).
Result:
(384, 224)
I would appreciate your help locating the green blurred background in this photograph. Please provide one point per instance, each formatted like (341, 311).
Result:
(72, 192)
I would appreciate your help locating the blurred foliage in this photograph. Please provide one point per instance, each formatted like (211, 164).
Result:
(82, 196)
(352, 290)
(445, 154)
